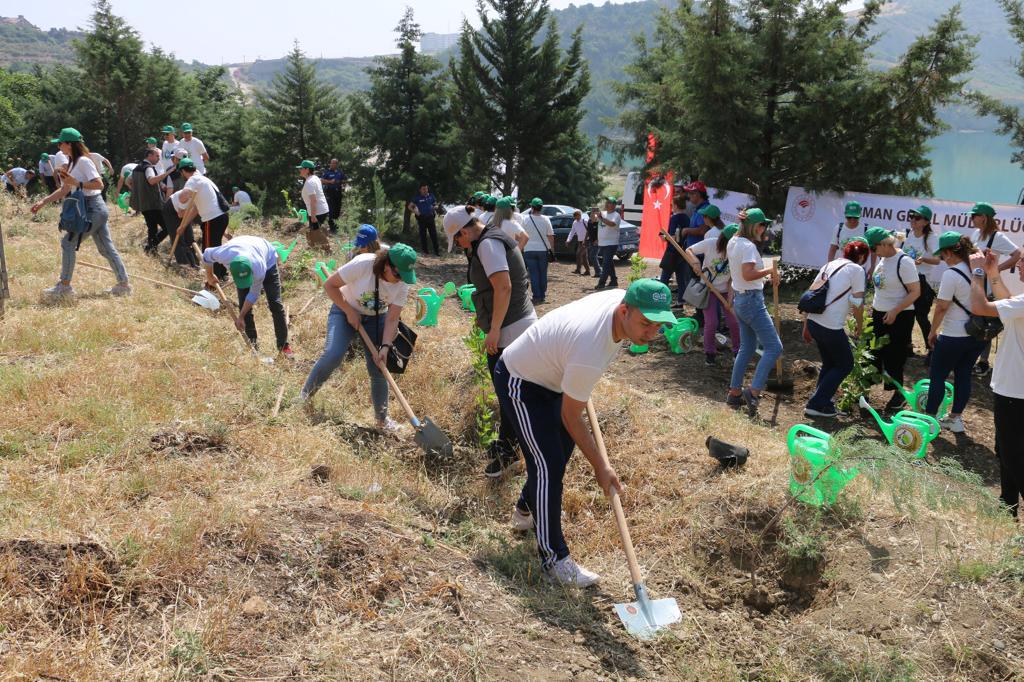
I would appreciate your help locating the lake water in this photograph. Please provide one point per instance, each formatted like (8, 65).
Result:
(975, 166)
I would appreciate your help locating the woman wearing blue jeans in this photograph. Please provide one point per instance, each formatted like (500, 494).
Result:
(748, 277)
(953, 349)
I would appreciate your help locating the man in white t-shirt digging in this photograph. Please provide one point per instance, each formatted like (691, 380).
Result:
(195, 148)
(544, 380)
(214, 219)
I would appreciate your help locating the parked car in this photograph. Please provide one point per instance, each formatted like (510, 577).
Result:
(629, 237)
(557, 209)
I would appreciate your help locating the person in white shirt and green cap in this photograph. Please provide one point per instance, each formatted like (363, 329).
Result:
(195, 148)
(544, 380)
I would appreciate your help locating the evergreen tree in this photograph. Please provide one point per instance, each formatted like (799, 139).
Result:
(779, 93)
(1011, 118)
(517, 95)
(404, 121)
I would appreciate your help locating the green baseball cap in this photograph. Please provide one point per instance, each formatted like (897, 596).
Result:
(537, 202)
(127, 173)
(479, 195)
(876, 235)
(67, 135)
(186, 127)
(948, 240)
(167, 130)
(241, 271)
(858, 239)
(403, 257)
(307, 164)
(852, 209)
(489, 200)
(150, 140)
(755, 216)
(44, 157)
(730, 230)
(611, 199)
(652, 298)
(505, 202)
(711, 211)
(983, 208)
(234, 189)
(922, 211)
(186, 163)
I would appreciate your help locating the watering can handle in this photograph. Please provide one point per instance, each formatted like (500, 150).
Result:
(803, 428)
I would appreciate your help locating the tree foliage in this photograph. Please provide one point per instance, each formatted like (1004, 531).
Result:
(1011, 118)
(774, 93)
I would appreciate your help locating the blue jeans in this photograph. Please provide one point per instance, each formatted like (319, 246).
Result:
(955, 354)
(755, 327)
(537, 268)
(606, 256)
(339, 335)
(836, 364)
(100, 233)
(592, 257)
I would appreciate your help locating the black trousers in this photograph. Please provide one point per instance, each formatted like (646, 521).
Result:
(506, 429)
(213, 235)
(51, 184)
(1009, 418)
(333, 206)
(893, 356)
(427, 226)
(154, 220)
(272, 290)
(923, 307)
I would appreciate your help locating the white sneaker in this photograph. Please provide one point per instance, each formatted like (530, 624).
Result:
(953, 424)
(568, 572)
(389, 427)
(521, 521)
(121, 289)
(59, 290)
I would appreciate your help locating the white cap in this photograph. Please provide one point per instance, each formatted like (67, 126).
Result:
(454, 220)
(176, 201)
(181, 153)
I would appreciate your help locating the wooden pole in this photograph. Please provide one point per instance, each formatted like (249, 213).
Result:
(5, 293)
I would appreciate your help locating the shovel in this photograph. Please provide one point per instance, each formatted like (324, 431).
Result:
(428, 436)
(780, 382)
(645, 616)
(703, 276)
(201, 298)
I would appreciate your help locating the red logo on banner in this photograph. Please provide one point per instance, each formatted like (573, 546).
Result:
(657, 211)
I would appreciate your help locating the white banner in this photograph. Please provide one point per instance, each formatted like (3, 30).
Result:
(730, 203)
(811, 220)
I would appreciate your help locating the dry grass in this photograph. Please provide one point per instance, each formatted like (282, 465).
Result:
(156, 522)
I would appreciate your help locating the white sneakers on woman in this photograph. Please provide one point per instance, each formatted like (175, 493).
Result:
(568, 572)
(953, 424)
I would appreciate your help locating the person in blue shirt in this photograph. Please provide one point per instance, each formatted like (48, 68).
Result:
(423, 206)
(333, 180)
(671, 261)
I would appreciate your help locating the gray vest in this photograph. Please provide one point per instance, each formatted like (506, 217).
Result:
(145, 197)
(519, 305)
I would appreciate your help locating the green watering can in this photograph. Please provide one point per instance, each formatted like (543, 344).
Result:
(810, 453)
(283, 253)
(301, 215)
(122, 202)
(428, 304)
(909, 431)
(633, 348)
(466, 296)
(324, 269)
(681, 335)
(918, 395)
(450, 289)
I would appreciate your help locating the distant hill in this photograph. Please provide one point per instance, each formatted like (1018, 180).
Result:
(23, 45)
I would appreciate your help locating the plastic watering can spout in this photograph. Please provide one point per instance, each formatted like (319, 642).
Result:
(814, 479)
(450, 289)
(466, 296)
(428, 303)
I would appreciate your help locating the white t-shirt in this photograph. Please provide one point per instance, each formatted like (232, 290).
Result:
(1001, 244)
(1008, 373)
(568, 349)
(60, 159)
(19, 174)
(359, 286)
(485, 217)
(608, 235)
(714, 232)
(85, 171)
(842, 274)
(313, 196)
(167, 150)
(98, 161)
(841, 234)
(915, 247)
(261, 254)
(492, 257)
(242, 197)
(206, 196)
(128, 168)
(518, 218)
(888, 290)
(535, 226)
(195, 149)
(44, 168)
(954, 285)
(511, 228)
(741, 250)
(715, 265)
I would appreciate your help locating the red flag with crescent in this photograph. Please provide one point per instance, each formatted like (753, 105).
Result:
(657, 211)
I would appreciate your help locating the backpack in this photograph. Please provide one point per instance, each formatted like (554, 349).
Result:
(814, 301)
(74, 217)
(980, 327)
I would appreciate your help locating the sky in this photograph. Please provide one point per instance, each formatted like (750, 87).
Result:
(232, 31)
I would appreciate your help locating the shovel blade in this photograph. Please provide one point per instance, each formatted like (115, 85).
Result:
(432, 439)
(206, 300)
(644, 619)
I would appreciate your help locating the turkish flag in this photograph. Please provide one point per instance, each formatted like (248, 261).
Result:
(657, 211)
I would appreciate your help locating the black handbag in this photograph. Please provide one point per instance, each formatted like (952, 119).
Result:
(814, 301)
(980, 327)
(404, 343)
(551, 254)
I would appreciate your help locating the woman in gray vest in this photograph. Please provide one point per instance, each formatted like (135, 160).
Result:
(502, 300)
(147, 197)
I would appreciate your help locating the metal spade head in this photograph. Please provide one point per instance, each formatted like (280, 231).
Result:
(432, 439)
(206, 300)
(644, 617)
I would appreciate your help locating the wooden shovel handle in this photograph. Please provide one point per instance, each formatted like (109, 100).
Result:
(177, 233)
(144, 279)
(391, 380)
(775, 312)
(700, 271)
(620, 517)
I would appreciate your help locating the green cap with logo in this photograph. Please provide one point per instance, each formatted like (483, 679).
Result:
(186, 127)
(852, 209)
(186, 164)
(505, 202)
(241, 271)
(611, 200)
(67, 135)
(479, 195)
(755, 216)
(876, 235)
(652, 298)
(489, 200)
(150, 140)
(536, 202)
(730, 230)
(167, 130)
(711, 211)
(922, 212)
(948, 240)
(307, 164)
(983, 208)
(403, 257)
(44, 157)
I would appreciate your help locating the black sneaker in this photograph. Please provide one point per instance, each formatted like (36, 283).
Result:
(709, 359)
(896, 403)
(501, 463)
(751, 400)
(734, 401)
(981, 369)
(829, 412)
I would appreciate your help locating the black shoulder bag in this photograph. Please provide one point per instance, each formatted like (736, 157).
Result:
(815, 301)
(543, 240)
(400, 351)
(980, 327)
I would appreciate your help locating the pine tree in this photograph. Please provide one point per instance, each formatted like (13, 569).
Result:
(1011, 118)
(779, 93)
(517, 96)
